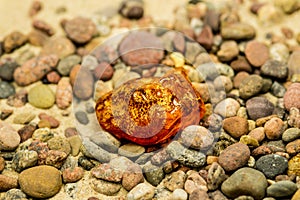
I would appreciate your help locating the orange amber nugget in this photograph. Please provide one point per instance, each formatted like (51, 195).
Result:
(149, 111)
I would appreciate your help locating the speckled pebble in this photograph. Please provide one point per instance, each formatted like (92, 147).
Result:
(42, 134)
(280, 52)
(153, 174)
(175, 180)
(291, 134)
(24, 159)
(234, 156)
(15, 194)
(274, 69)
(250, 86)
(215, 177)
(6, 89)
(13, 41)
(59, 143)
(236, 126)
(272, 165)
(258, 107)
(71, 175)
(274, 128)
(227, 107)
(249, 141)
(293, 147)
(294, 165)
(64, 93)
(282, 189)
(107, 172)
(278, 89)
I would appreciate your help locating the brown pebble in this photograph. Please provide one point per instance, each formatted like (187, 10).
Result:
(69, 132)
(13, 41)
(35, 69)
(93, 198)
(287, 32)
(73, 73)
(274, 128)
(60, 46)
(234, 156)
(5, 113)
(239, 77)
(293, 147)
(255, 7)
(26, 132)
(80, 29)
(53, 77)
(71, 175)
(291, 97)
(35, 7)
(7, 183)
(257, 53)
(205, 38)
(199, 195)
(64, 94)
(104, 71)
(44, 124)
(261, 150)
(83, 87)
(43, 26)
(2, 164)
(54, 123)
(258, 134)
(236, 126)
(241, 64)
(37, 38)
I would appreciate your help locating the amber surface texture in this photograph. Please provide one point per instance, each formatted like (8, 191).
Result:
(149, 111)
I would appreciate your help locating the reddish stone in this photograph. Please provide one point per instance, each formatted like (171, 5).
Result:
(104, 71)
(26, 132)
(71, 175)
(69, 132)
(64, 93)
(43, 26)
(206, 37)
(54, 123)
(35, 7)
(257, 53)
(53, 77)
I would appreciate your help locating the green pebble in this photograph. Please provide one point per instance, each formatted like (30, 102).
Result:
(41, 96)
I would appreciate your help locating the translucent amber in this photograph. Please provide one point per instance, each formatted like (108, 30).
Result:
(149, 111)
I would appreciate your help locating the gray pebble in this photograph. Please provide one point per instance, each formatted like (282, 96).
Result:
(145, 157)
(291, 134)
(227, 108)
(282, 189)
(89, 107)
(85, 163)
(272, 165)
(106, 141)
(81, 116)
(258, 107)
(24, 159)
(186, 156)
(250, 86)
(6, 89)
(153, 174)
(66, 64)
(267, 84)
(278, 89)
(274, 69)
(7, 70)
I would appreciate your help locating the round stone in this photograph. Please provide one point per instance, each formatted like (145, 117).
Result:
(234, 156)
(7, 68)
(227, 107)
(245, 181)
(258, 133)
(141, 191)
(140, 48)
(82, 117)
(65, 65)
(60, 46)
(228, 51)
(179, 194)
(71, 175)
(272, 165)
(291, 134)
(41, 96)
(274, 69)
(41, 181)
(238, 78)
(280, 52)
(282, 189)
(9, 137)
(258, 107)
(250, 86)
(257, 53)
(197, 137)
(131, 150)
(236, 126)
(293, 147)
(6, 89)
(292, 96)
(60, 144)
(241, 65)
(274, 128)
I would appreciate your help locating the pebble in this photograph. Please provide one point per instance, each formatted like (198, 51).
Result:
(293, 147)
(107, 172)
(80, 29)
(48, 184)
(250, 86)
(199, 195)
(227, 107)
(277, 89)
(82, 117)
(186, 156)
(291, 134)
(236, 126)
(60, 46)
(41, 96)
(43, 26)
(15, 194)
(238, 78)
(13, 41)
(64, 94)
(55, 158)
(24, 159)
(141, 191)
(279, 52)
(274, 128)
(54, 123)
(7, 183)
(272, 165)
(237, 31)
(282, 189)
(175, 180)
(258, 107)
(41, 148)
(75, 143)
(2, 164)
(132, 9)
(274, 69)
(194, 182)
(105, 187)
(293, 64)
(53, 77)
(37, 38)
(150, 49)
(206, 37)
(292, 98)
(257, 53)
(42, 134)
(19, 99)
(103, 71)
(132, 176)
(223, 82)
(9, 137)
(72, 175)
(97, 152)
(197, 137)
(153, 174)
(7, 68)
(241, 64)
(179, 194)
(35, 69)
(66, 64)
(228, 51)
(131, 150)
(6, 89)
(294, 165)
(59, 143)
(5, 113)
(85, 163)
(216, 176)
(258, 133)
(70, 131)
(83, 86)
(245, 181)
(106, 141)
(234, 156)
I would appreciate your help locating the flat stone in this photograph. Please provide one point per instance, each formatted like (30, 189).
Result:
(274, 69)
(9, 137)
(131, 150)
(238, 31)
(282, 189)
(291, 134)
(41, 96)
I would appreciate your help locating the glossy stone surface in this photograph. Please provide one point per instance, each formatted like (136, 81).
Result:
(149, 111)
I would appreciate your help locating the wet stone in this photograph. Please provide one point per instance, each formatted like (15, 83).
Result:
(80, 29)
(258, 107)
(274, 69)
(186, 156)
(272, 165)
(13, 41)
(282, 189)
(6, 89)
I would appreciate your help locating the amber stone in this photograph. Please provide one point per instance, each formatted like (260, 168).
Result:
(149, 111)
